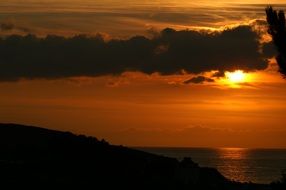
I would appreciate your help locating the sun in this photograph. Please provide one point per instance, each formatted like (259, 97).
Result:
(237, 79)
(237, 76)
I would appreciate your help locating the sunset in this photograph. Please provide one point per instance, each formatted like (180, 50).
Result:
(237, 76)
(199, 83)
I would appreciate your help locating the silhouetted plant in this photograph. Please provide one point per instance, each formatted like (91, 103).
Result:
(277, 29)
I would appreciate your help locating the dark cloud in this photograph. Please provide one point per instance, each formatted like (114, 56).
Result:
(9, 26)
(6, 26)
(198, 80)
(171, 52)
(269, 49)
(219, 74)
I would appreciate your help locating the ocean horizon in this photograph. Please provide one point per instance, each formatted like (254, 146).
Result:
(257, 165)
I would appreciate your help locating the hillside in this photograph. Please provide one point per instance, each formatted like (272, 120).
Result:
(37, 157)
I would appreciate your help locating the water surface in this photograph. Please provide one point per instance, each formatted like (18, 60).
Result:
(255, 165)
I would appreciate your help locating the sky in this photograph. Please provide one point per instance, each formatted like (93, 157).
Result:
(144, 73)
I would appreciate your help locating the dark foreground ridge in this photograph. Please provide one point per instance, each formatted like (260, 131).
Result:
(47, 159)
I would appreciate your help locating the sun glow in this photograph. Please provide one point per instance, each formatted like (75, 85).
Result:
(237, 76)
(237, 79)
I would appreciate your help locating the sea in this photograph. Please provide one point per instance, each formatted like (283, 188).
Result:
(240, 164)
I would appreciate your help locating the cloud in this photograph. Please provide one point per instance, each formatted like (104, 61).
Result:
(219, 74)
(171, 52)
(7, 26)
(198, 80)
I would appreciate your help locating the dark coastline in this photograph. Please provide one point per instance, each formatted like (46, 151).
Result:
(40, 158)
(257, 165)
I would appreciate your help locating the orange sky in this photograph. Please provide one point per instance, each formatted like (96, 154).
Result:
(137, 109)
(142, 110)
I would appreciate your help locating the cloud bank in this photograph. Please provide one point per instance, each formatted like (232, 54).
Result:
(170, 52)
(199, 80)
(7, 26)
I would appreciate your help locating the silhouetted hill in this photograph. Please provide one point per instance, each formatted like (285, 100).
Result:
(45, 159)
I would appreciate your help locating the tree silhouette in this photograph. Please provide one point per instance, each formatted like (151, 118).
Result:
(277, 29)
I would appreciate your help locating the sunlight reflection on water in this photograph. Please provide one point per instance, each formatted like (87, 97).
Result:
(233, 164)
(240, 164)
